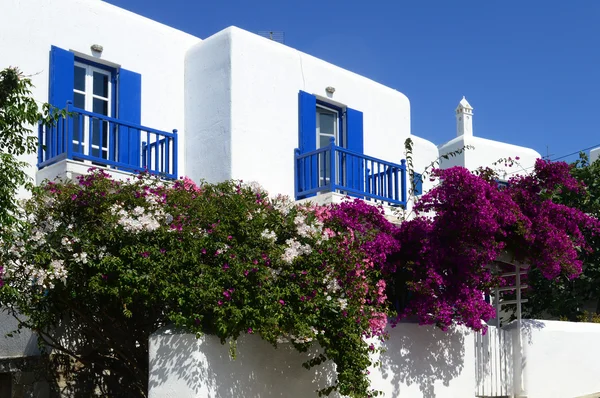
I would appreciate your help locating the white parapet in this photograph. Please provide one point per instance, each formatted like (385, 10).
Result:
(419, 362)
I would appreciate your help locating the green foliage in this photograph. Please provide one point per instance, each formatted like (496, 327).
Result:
(19, 113)
(563, 298)
(403, 213)
(101, 264)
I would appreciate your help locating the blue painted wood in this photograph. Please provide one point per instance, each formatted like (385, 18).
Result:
(129, 109)
(69, 132)
(60, 92)
(354, 137)
(307, 136)
(502, 184)
(307, 122)
(384, 181)
(160, 156)
(62, 74)
(174, 152)
(40, 144)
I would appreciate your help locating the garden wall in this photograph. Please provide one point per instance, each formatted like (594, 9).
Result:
(419, 362)
(551, 360)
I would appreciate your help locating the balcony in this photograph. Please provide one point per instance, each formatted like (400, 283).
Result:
(333, 169)
(86, 139)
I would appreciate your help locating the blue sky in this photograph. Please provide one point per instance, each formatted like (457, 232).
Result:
(530, 69)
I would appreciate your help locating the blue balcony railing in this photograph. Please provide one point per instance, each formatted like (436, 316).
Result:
(336, 169)
(101, 140)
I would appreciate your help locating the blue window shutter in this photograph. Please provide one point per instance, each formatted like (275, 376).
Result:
(62, 74)
(307, 122)
(307, 138)
(354, 142)
(418, 184)
(354, 130)
(129, 109)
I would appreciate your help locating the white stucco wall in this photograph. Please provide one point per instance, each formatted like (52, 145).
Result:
(208, 109)
(29, 27)
(485, 152)
(419, 362)
(258, 141)
(594, 154)
(424, 154)
(560, 359)
(20, 344)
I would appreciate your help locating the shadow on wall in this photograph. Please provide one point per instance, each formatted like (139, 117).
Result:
(528, 326)
(425, 357)
(420, 361)
(182, 365)
(21, 343)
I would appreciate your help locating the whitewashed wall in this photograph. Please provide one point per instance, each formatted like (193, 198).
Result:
(594, 154)
(559, 359)
(486, 152)
(20, 344)
(243, 90)
(29, 27)
(208, 109)
(424, 153)
(419, 362)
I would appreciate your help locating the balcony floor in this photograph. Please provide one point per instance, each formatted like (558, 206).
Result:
(326, 198)
(67, 169)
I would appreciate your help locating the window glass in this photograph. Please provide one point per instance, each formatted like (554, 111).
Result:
(92, 92)
(327, 127)
(327, 122)
(100, 106)
(79, 100)
(101, 84)
(324, 140)
(79, 82)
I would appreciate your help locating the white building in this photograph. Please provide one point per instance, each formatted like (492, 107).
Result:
(243, 107)
(486, 152)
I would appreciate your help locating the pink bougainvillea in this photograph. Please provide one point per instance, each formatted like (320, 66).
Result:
(466, 222)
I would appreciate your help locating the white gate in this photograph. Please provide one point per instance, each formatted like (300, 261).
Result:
(493, 363)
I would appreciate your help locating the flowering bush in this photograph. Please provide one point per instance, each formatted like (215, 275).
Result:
(104, 264)
(467, 221)
(561, 297)
(107, 263)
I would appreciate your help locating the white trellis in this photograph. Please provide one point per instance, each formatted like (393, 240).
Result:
(497, 351)
(518, 269)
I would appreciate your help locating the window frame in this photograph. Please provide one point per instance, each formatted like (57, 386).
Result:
(114, 77)
(324, 174)
(90, 68)
(340, 135)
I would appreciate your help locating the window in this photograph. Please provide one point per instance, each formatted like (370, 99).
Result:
(105, 91)
(329, 124)
(318, 122)
(502, 184)
(92, 91)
